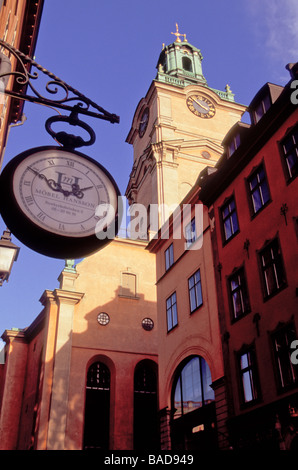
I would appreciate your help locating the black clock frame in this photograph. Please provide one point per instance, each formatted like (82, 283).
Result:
(40, 240)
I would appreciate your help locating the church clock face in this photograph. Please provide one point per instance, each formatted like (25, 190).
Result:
(200, 106)
(52, 197)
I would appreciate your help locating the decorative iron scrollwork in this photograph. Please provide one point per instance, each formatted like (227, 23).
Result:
(24, 77)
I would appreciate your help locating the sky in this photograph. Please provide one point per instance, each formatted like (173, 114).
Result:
(108, 51)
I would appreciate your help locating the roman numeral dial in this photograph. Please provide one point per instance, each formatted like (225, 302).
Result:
(54, 197)
(200, 106)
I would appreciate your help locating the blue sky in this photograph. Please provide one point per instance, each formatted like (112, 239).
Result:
(108, 51)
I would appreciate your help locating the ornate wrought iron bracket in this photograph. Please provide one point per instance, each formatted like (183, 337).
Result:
(70, 140)
(24, 77)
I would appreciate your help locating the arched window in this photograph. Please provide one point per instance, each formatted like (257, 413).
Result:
(193, 424)
(146, 435)
(186, 64)
(192, 387)
(97, 407)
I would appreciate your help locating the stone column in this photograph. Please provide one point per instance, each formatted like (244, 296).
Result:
(66, 298)
(12, 400)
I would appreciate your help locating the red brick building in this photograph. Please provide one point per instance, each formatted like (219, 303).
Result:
(252, 201)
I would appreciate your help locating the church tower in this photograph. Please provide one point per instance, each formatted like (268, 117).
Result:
(177, 128)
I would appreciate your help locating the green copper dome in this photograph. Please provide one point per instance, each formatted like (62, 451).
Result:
(180, 64)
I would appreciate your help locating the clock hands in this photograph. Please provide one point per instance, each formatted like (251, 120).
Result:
(78, 192)
(200, 104)
(50, 182)
(75, 188)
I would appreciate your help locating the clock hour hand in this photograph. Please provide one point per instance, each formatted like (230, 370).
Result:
(78, 192)
(51, 183)
(201, 105)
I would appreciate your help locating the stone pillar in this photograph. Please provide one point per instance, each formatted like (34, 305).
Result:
(66, 299)
(12, 398)
(221, 407)
(165, 430)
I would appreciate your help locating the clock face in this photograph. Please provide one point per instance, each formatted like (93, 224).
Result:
(56, 192)
(144, 122)
(201, 106)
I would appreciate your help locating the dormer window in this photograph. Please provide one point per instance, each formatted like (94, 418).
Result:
(235, 137)
(234, 144)
(261, 108)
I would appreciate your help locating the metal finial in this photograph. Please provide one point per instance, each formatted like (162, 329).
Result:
(177, 34)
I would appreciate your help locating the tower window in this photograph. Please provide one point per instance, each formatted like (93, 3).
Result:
(186, 64)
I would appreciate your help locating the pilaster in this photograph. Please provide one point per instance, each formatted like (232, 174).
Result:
(66, 301)
(15, 371)
(165, 430)
(221, 406)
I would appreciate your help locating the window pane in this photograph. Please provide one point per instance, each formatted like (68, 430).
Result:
(265, 192)
(237, 304)
(169, 257)
(247, 386)
(207, 380)
(191, 282)
(253, 182)
(174, 313)
(244, 361)
(228, 229)
(256, 199)
(192, 300)
(191, 386)
(169, 319)
(197, 276)
(199, 295)
(247, 370)
(270, 279)
(177, 399)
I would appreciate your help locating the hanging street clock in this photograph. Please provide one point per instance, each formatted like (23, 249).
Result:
(59, 202)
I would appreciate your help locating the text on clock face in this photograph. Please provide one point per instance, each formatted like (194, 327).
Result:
(62, 194)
